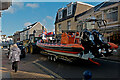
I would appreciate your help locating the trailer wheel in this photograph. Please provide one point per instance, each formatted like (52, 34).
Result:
(51, 58)
(48, 57)
(54, 58)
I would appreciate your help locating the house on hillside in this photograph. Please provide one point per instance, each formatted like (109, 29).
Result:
(34, 29)
(65, 18)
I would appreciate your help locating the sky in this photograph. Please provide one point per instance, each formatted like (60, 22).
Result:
(22, 14)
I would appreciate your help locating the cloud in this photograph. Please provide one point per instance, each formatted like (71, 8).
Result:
(44, 22)
(27, 24)
(32, 5)
(18, 4)
(48, 22)
(49, 17)
(53, 30)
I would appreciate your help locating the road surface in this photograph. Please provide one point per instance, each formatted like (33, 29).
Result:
(38, 66)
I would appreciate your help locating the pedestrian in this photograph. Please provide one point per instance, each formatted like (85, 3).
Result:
(15, 56)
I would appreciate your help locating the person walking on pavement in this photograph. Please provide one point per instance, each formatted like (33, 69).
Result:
(15, 56)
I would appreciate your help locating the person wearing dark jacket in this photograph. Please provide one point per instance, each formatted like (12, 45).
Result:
(14, 56)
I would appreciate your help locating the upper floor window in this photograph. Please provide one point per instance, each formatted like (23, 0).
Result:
(111, 15)
(69, 10)
(60, 14)
(59, 26)
(69, 25)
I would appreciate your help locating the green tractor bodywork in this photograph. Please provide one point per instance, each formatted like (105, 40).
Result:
(30, 45)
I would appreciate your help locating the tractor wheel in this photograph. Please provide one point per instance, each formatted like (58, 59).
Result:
(31, 49)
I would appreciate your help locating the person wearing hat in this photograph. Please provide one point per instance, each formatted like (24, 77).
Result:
(15, 56)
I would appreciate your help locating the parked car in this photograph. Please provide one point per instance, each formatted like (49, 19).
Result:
(22, 48)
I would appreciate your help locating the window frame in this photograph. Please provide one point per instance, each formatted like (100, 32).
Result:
(71, 8)
(69, 25)
(60, 13)
(106, 13)
(60, 27)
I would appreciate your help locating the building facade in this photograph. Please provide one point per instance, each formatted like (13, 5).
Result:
(16, 37)
(34, 29)
(65, 18)
(109, 11)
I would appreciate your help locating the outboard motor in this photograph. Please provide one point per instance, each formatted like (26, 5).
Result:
(102, 46)
(87, 41)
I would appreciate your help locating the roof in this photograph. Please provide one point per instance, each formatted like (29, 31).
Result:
(64, 17)
(79, 15)
(85, 3)
(103, 4)
(30, 26)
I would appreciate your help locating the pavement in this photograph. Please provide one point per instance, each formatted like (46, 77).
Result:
(43, 68)
(27, 69)
(5, 73)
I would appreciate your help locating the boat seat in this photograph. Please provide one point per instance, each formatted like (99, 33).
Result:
(71, 39)
(77, 38)
(64, 38)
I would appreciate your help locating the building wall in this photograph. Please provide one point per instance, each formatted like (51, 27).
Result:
(112, 28)
(5, 5)
(16, 37)
(64, 25)
(0, 14)
(21, 36)
(111, 6)
(119, 12)
(81, 7)
(101, 12)
(37, 27)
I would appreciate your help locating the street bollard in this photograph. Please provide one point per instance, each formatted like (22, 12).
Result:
(87, 75)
